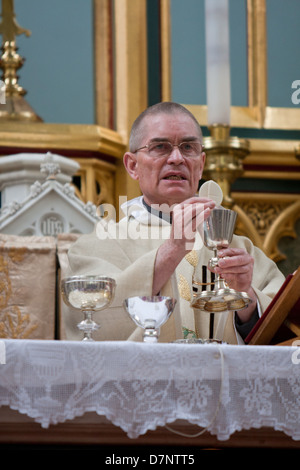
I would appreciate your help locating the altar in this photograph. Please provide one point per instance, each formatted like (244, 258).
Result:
(120, 392)
(58, 391)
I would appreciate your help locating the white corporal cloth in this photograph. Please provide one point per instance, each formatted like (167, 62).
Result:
(139, 386)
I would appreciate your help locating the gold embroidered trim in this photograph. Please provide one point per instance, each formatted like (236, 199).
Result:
(192, 258)
(184, 288)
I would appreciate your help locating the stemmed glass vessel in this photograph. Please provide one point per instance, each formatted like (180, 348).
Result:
(89, 294)
(218, 231)
(150, 313)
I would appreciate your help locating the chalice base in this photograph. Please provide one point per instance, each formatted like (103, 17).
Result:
(221, 300)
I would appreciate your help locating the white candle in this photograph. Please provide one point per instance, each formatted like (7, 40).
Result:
(217, 62)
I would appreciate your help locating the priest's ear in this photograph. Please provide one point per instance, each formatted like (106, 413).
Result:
(131, 164)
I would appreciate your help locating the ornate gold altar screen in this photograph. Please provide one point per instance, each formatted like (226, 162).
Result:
(120, 45)
(264, 217)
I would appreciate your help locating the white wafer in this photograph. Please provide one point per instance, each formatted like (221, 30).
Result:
(211, 190)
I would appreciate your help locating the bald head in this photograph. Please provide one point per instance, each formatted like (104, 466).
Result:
(165, 107)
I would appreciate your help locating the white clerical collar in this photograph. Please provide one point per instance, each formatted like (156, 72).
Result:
(144, 213)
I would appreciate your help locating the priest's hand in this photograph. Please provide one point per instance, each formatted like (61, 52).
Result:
(186, 218)
(236, 268)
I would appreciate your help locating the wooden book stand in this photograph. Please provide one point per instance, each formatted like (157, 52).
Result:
(280, 323)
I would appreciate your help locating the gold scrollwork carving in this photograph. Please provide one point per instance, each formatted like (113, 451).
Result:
(265, 219)
(283, 226)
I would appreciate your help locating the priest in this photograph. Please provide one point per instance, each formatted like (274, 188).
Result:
(157, 249)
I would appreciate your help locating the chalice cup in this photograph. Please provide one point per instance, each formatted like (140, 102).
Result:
(218, 231)
(149, 313)
(89, 294)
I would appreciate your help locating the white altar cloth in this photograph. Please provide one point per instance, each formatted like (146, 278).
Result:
(140, 386)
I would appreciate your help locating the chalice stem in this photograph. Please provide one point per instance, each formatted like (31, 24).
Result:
(87, 336)
(88, 325)
(219, 283)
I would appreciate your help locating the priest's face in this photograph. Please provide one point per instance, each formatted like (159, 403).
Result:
(166, 178)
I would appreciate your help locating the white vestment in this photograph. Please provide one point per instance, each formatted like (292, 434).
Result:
(126, 251)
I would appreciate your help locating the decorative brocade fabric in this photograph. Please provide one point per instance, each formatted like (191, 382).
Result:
(139, 386)
(27, 287)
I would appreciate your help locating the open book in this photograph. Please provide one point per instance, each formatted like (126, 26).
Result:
(280, 323)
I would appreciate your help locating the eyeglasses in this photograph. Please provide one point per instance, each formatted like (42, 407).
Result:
(165, 148)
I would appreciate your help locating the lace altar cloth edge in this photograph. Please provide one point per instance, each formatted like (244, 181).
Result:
(140, 386)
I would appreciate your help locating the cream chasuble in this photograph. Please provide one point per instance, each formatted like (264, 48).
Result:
(126, 251)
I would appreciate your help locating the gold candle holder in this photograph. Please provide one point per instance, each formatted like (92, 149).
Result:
(15, 107)
(224, 156)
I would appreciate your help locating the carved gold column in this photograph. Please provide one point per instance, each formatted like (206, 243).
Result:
(15, 107)
(224, 156)
(130, 26)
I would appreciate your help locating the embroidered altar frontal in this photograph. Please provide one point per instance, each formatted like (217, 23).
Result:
(219, 388)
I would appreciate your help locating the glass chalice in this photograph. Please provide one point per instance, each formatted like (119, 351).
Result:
(218, 231)
(150, 313)
(89, 294)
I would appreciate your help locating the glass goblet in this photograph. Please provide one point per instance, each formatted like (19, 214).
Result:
(88, 294)
(150, 313)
